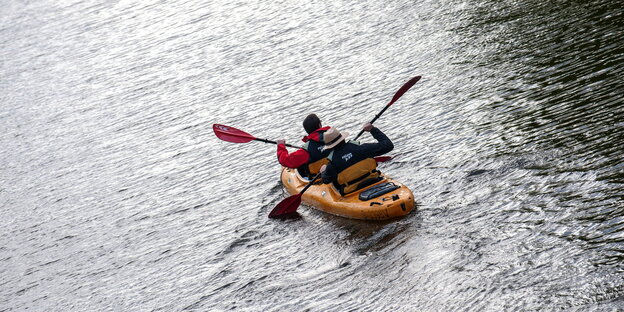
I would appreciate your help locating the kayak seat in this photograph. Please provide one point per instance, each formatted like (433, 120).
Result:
(361, 185)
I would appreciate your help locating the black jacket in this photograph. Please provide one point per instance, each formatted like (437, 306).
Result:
(347, 154)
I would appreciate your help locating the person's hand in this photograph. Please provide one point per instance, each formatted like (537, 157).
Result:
(367, 127)
(323, 168)
(281, 142)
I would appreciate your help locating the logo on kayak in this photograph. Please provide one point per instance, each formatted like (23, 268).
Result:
(224, 128)
(346, 157)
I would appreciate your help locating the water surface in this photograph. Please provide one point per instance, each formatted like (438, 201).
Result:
(117, 196)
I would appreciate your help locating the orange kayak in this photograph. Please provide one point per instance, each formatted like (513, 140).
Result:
(383, 200)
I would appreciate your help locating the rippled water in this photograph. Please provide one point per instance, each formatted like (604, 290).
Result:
(116, 195)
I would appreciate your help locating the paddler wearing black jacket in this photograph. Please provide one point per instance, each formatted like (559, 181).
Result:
(351, 165)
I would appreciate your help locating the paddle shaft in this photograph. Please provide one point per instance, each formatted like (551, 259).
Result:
(396, 96)
(318, 175)
(273, 142)
(374, 119)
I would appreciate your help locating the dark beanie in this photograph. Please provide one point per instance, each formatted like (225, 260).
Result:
(311, 123)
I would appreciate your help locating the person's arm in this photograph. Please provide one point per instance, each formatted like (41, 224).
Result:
(383, 145)
(295, 159)
(328, 173)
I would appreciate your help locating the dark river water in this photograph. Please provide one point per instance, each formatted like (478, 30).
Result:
(116, 195)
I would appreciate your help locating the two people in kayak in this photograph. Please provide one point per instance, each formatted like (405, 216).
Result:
(348, 165)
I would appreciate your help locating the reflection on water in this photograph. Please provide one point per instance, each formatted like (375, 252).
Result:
(117, 196)
(566, 109)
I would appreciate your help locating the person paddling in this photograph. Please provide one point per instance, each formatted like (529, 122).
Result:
(309, 159)
(351, 165)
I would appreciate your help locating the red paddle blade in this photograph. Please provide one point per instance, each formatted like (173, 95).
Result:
(404, 89)
(382, 158)
(286, 207)
(229, 134)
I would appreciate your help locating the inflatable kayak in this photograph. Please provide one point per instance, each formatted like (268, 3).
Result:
(385, 199)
